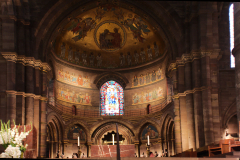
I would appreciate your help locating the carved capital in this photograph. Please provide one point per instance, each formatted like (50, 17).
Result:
(172, 66)
(205, 53)
(46, 67)
(195, 55)
(10, 56)
(186, 58)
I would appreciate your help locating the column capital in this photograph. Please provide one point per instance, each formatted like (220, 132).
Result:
(10, 56)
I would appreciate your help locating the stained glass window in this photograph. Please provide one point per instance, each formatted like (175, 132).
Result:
(231, 26)
(111, 99)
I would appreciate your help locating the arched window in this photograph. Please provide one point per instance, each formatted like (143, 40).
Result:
(231, 27)
(111, 101)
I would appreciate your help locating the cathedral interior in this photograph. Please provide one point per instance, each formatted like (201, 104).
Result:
(166, 72)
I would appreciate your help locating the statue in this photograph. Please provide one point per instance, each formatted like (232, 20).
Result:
(129, 59)
(70, 54)
(91, 57)
(149, 52)
(142, 54)
(156, 49)
(84, 57)
(136, 56)
(63, 49)
(99, 60)
(77, 56)
(122, 59)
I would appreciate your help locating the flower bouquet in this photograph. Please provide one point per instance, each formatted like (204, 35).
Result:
(11, 140)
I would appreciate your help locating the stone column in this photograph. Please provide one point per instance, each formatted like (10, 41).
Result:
(137, 150)
(189, 105)
(206, 98)
(89, 150)
(177, 128)
(160, 142)
(183, 109)
(11, 58)
(51, 150)
(173, 148)
(236, 53)
(197, 96)
(43, 116)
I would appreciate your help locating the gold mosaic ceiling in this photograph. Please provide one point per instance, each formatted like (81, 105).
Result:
(109, 37)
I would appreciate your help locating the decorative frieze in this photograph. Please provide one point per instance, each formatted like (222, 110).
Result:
(26, 95)
(10, 56)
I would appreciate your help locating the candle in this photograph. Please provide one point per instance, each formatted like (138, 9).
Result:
(78, 141)
(113, 138)
(148, 140)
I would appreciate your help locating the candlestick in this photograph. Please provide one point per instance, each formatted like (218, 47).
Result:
(113, 138)
(78, 141)
(148, 140)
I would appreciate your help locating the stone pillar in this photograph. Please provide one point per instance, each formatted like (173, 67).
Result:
(160, 142)
(137, 150)
(206, 99)
(43, 116)
(11, 58)
(173, 148)
(177, 128)
(189, 105)
(51, 150)
(236, 53)
(89, 150)
(197, 96)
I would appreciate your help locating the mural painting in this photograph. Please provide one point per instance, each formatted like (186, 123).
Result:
(149, 96)
(73, 97)
(72, 79)
(149, 78)
(149, 131)
(51, 95)
(76, 131)
(80, 27)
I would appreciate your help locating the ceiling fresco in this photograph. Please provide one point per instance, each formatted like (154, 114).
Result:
(108, 37)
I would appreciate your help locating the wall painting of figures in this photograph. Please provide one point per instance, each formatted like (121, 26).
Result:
(151, 131)
(76, 131)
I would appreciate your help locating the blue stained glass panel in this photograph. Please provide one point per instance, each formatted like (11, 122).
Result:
(111, 99)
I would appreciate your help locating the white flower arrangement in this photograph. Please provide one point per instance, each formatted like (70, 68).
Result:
(11, 140)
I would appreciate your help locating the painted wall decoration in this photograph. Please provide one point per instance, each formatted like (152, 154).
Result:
(73, 97)
(149, 96)
(110, 36)
(111, 99)
(76, 131)
(149, 78)
(80, 27)
(151, 131)
(51, 94)
(72, 79)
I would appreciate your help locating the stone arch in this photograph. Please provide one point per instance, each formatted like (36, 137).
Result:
(102, 78)
(228, 112)
(170, 25)
(105, 128)
(53, 117)
(82, 125)
(140, 129)
(98, 130)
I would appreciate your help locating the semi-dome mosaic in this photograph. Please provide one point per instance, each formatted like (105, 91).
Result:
(109, 37)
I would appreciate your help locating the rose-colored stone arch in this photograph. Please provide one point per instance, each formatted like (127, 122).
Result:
(82, 125)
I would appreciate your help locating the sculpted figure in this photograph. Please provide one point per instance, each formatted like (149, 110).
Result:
(122, 59)
(70, 54)
(156, 49)
(149, 52)
(63, 49)
(91, 57)
(142, 54)
(84, 57)
(77, 56)
(99, 60)
(136, 56)
(129, 59)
